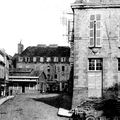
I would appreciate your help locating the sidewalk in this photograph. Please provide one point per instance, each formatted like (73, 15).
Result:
(4, 99)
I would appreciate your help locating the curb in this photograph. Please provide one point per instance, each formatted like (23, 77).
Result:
(2, 100)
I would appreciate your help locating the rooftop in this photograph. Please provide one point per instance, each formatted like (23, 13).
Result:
(48, 51)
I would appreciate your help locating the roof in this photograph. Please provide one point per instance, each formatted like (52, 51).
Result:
(97, 2)
(60, 51)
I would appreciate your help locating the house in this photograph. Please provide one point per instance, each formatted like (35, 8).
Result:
(23, 80)
(4, 72)
(96, 49)
(53, 60)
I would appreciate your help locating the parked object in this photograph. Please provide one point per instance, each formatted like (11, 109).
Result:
(64, 112)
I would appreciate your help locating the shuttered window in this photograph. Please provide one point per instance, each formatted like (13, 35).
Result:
(95, 32)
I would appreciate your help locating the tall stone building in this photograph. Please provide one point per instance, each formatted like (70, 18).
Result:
(96, 49)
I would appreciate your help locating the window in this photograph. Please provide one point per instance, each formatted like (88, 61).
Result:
(27, 59)
(95, 32)
(55, 76)
(63, 68)
(118, 64)
(55, 59)
(95, 64)
(34, 59)
(41, 59)
(20, 59)
(63, 59)
(48, 59)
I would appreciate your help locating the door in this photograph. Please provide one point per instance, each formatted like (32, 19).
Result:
(95, 84)
(95, 78)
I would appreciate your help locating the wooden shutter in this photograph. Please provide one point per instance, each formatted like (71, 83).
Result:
(92, 19)
(95, 32)
(98, 31)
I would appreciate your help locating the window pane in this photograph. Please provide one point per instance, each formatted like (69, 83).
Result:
(92, 17)
(98, 17)
(91, 64)
(98, 25)
(98, 42)
(91, 33)
(98, 33)
(98, 64)
(91, 24)
(91, 41)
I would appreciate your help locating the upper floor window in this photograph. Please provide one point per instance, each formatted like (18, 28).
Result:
(63, 59)
(95, 64)
(95, 33)
(34, 59)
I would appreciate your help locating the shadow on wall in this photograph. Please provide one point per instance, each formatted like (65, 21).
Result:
(60, 101)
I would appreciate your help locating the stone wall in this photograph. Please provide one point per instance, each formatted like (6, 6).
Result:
(109, 51)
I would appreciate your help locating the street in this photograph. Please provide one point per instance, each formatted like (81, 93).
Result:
(31, 107)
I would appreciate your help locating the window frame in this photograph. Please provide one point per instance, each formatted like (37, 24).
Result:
(95, 62)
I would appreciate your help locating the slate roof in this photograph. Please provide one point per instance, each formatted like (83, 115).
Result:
(97, 1)
(60, 51)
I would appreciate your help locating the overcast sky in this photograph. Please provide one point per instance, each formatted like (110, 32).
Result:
(32, 21)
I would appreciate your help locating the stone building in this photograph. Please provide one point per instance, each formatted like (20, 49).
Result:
(4, 72)
(96, 49)
(53, 60)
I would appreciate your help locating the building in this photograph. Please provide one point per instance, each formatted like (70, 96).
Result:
(96, 49)
(53, 60)
(23, 80)
(4, 72)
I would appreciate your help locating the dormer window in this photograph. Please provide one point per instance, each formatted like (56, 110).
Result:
(63, 59)
(20, 59)
(95, 32)
(34, 59)
(41, 59)
(48, 59)
(55, 59)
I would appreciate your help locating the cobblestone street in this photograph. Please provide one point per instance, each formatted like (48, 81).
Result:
(31, 107)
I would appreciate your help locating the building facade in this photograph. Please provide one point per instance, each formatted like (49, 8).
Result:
(96, 49)
(4, 72)
(52, 59)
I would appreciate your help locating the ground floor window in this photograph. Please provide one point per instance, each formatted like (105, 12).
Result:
(95, 64)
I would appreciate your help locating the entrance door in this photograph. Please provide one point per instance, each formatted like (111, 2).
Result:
(23, 89)
(95, 78)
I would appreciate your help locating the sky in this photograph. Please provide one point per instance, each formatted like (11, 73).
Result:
(32, 22)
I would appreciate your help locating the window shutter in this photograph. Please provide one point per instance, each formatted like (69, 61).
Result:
(95, 32)
(92, 19)
(98, 35)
